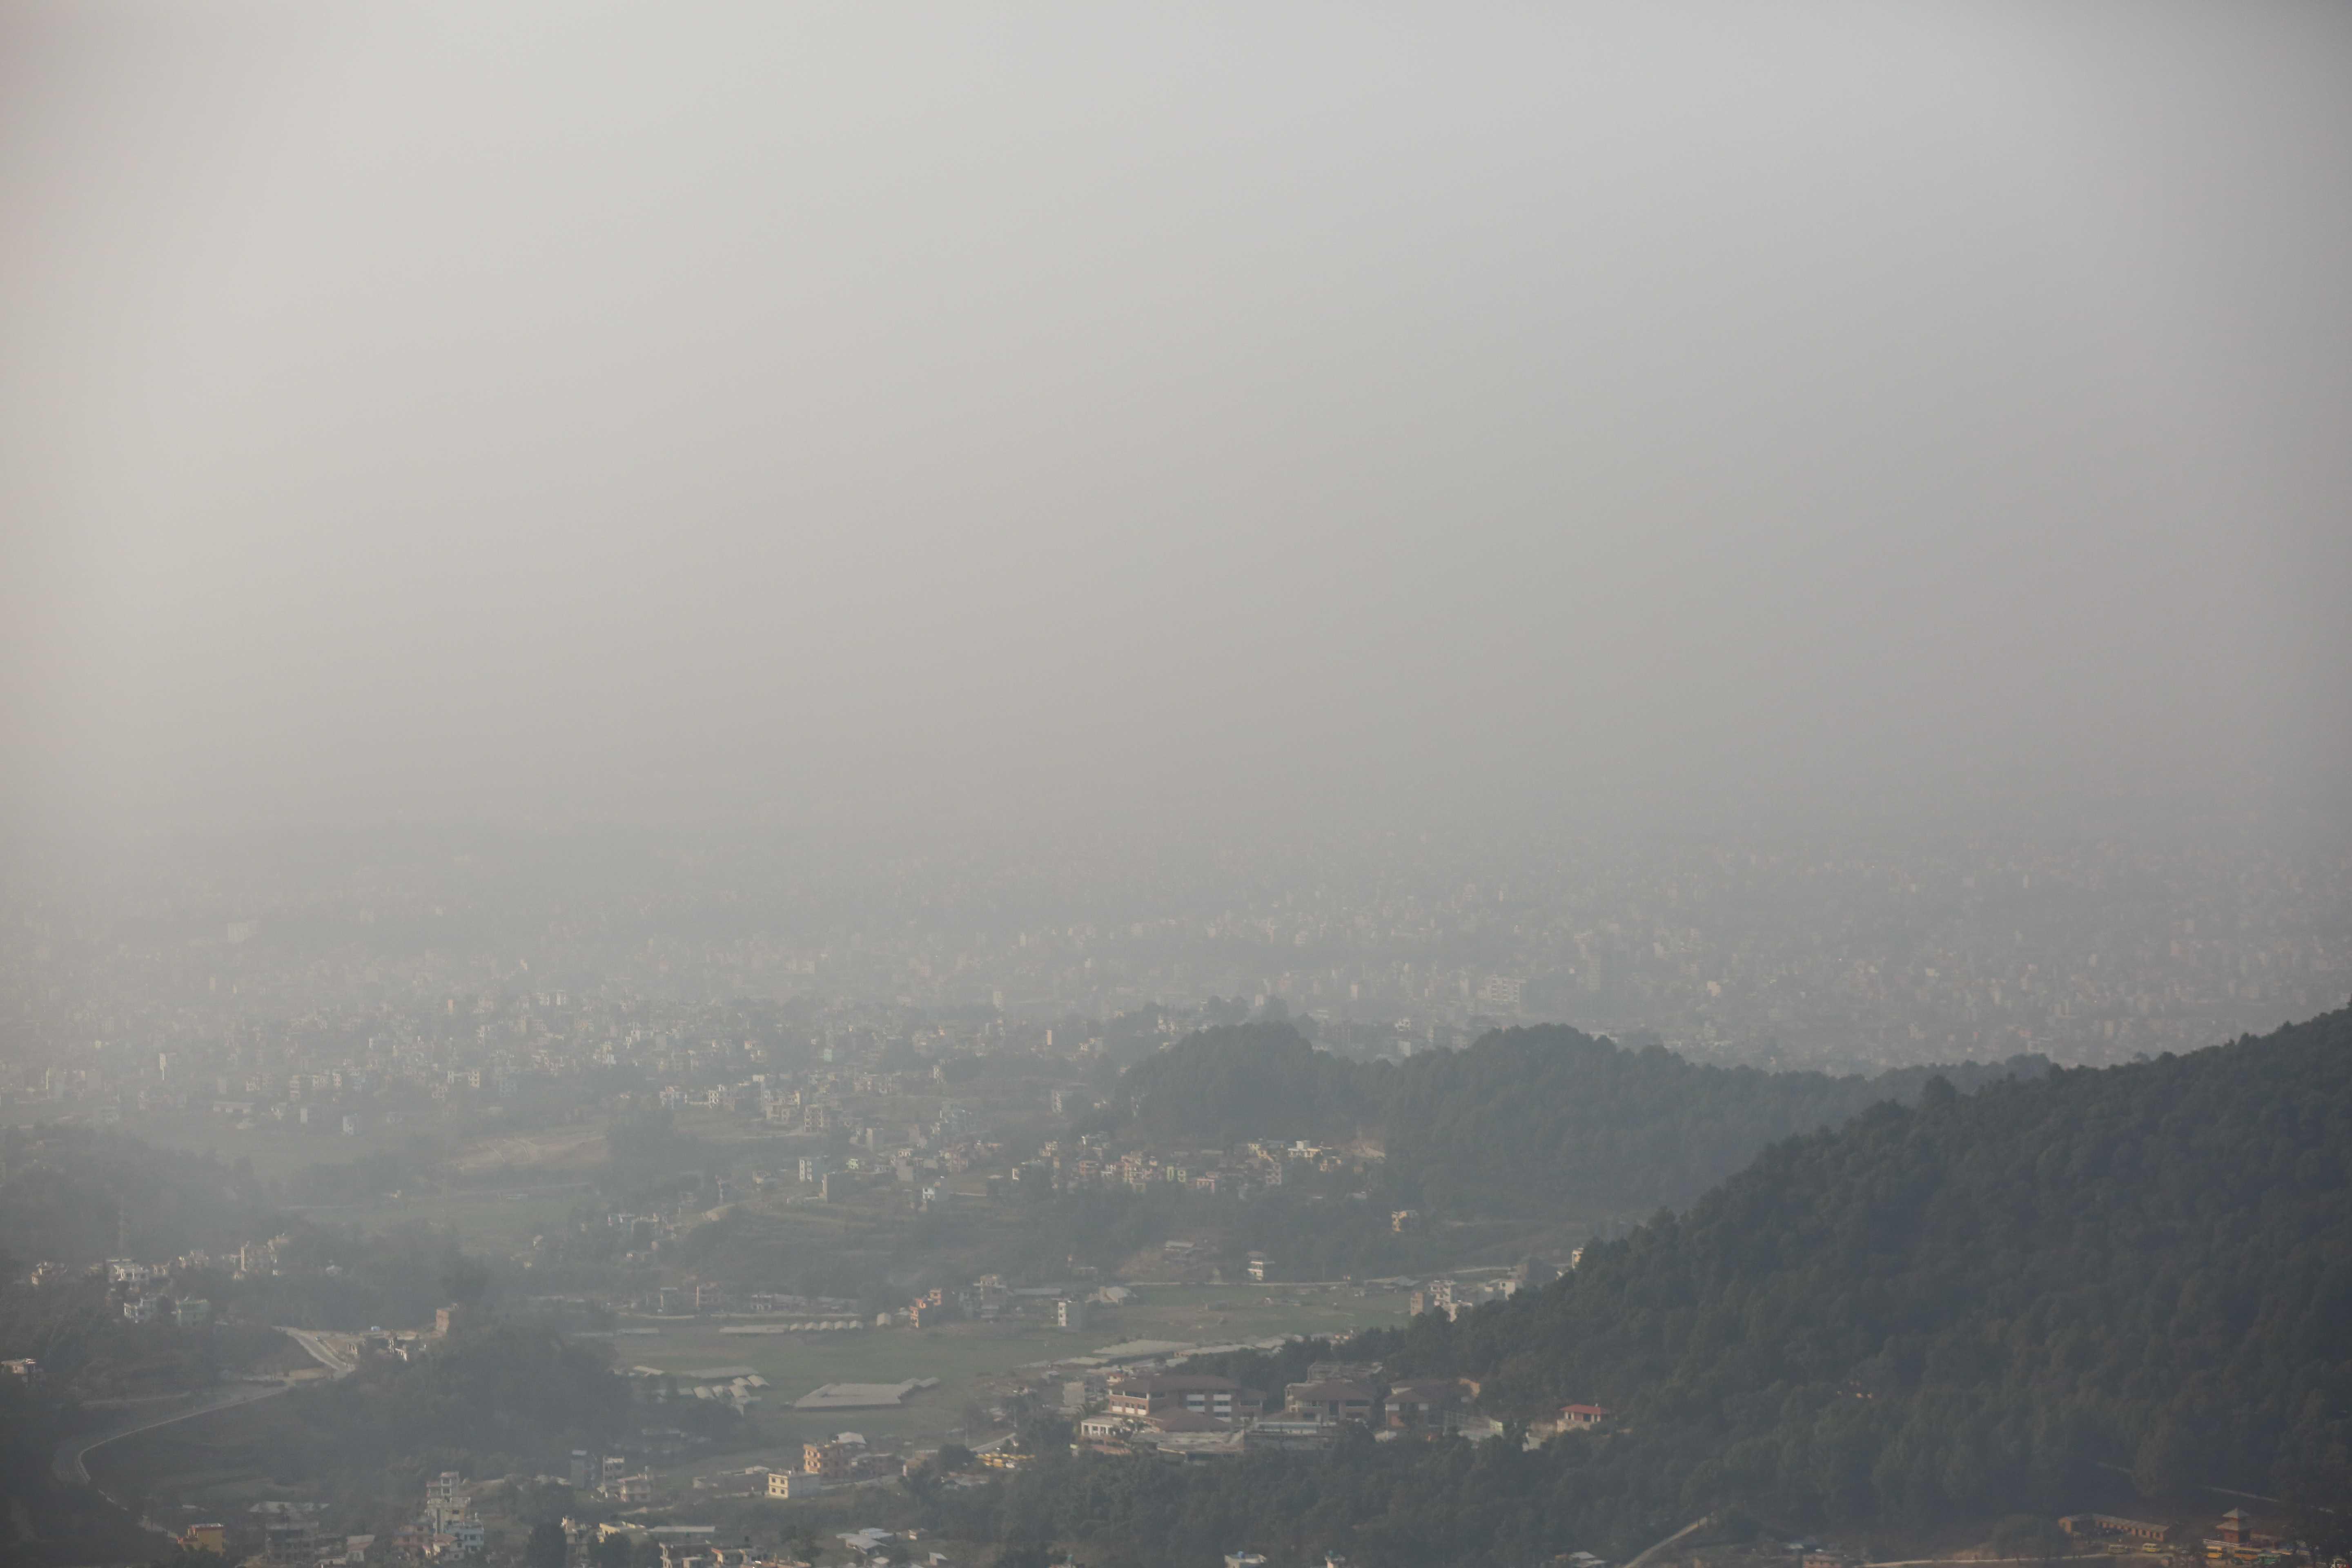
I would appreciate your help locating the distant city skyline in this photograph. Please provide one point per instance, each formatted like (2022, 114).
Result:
(1856, 956)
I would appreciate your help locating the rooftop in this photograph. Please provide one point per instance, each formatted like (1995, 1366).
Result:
(862, 1395)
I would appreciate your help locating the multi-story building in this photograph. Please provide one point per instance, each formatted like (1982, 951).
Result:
(1157, 1394)
(444, 1500)
(290, 1538)
(1423, 1406)
(1332, 1400)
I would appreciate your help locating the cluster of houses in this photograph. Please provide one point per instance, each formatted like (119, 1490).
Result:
(287, 1534)
(680, 1545)
(1452, 1296)
(826, 1463)
(739, 1387)
(622, 1478)
(161, 1292)
(2236, 1538)
(146, 1295)
(846, 1456)
(894, 1546)
(1263, 1163)
(1183, 1416)
(289, 1538)
(166, 1292)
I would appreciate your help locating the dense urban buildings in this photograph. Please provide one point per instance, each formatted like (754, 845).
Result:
(419, 974)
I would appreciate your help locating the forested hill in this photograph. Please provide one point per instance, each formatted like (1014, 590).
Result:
(1530, 1123)
(1969, 1304)
(77, 1194)
(1223, 1085)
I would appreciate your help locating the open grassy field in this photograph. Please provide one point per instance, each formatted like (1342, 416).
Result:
(484, 1221)
(496, 1191)
(276, 1150)
(224, 1459)
(221, 1458)
(551, 1154)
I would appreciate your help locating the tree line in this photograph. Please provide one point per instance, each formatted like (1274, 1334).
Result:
(1544, 1123)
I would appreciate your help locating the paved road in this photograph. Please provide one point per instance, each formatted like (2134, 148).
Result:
(71, 1460)
(336, 1352)
(1697, 1524)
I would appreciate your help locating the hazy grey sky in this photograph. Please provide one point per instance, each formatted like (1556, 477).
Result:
(692, 411)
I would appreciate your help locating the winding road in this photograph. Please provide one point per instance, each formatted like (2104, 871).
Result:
(71, 1460)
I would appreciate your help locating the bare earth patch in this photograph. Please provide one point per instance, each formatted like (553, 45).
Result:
(551, 1149)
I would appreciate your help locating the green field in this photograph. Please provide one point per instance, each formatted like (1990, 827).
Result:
(495, 1209)
(221, 1458)
(487, 1221)
(276, 1151)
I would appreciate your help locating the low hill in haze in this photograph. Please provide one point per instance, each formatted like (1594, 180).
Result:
(77, 1194)
(1982, 1298)
(1922, 1326)
(1222, 1086)
(1527, 1123)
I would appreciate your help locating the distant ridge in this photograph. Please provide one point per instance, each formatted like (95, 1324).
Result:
(1533, 1123)
(1975, 1304)
(1933, 1324)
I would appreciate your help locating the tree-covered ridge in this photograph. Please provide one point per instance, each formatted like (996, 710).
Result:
(77, 1194)
(504, 1399)
(1988, 1304)
(1977, 1301)
(1526, 1121)
(1238, 1081)
(1531, 1124)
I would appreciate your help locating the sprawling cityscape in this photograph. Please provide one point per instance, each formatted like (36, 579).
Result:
(419, 974)
(1205, 786)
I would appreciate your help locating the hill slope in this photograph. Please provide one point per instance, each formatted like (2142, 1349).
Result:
(76, 1193)
(1536, 1123)
(1222, 1086)
(1951, 1312)
(1946, 1308)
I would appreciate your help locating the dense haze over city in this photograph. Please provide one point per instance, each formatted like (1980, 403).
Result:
(835, 418)
(1365, 786)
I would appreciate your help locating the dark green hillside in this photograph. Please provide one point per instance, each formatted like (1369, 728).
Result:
(1540, 1123)
(2027, 1300)
(1951, 1308)
(1225, 1085)
(505, 1399)
(75, 1195)
(1529, 1122)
